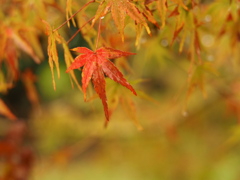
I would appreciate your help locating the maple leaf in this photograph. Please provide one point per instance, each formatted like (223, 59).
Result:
(162, 9)
(180, 3)
(96, 64)
(119, 11)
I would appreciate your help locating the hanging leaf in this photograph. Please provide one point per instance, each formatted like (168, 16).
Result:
(23, 44)
(119, 10)
(162, 9)
(5, 111)
(180, 3)
(146, 11)
(68, 59)
(176, 32)
(69, 12)
(96, 64)
(175, 12)
(53, 37)
(28, 79)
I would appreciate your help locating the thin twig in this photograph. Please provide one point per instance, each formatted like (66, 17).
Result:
(74, 15)
(79, 30)
(99, 32)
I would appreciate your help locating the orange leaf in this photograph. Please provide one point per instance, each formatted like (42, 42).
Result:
(176, 32)
(5, 111)
(149, 15)
(119, 10)
(28, 79)
(148, 2)
(23, 45)
(174, 12)
(96, 64)
(180, 3)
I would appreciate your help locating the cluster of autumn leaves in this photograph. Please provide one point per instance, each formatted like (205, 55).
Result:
(110, 24)
(19, 35)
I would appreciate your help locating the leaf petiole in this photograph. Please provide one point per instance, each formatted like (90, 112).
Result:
(99, 31)
(79, 30)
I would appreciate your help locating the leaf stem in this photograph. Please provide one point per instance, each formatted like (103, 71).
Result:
(99, 32)
(79, 30)
(73, 15)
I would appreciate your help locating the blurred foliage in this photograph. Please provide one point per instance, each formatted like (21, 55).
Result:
(184, 123)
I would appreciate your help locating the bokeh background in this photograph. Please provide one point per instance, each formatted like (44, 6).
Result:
(177, 128)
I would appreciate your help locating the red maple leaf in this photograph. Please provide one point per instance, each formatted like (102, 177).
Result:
(96, 64)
